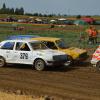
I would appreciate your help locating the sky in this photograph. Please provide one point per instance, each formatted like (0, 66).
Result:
(68, 7)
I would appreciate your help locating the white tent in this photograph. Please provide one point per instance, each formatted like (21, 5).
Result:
(62, 19)
(52, 20)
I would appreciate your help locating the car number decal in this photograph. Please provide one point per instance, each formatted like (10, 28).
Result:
(23, 55)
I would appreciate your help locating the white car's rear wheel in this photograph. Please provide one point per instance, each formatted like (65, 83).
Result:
(39, 64)
(2, 62)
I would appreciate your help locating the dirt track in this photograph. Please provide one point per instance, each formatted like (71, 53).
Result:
(80, 82)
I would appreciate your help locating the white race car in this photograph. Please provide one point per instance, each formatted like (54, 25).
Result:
(30, 52)
(95, 61)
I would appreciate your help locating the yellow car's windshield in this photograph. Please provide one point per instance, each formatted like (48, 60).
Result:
(38, 46)
(61, 44)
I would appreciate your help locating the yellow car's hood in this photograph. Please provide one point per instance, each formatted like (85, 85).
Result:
(74, 52)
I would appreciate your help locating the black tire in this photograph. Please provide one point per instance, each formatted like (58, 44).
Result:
(2, 62)
(69, 61)
(39, 65)
(98, 66)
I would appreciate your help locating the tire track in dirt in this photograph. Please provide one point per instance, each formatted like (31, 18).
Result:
(79, 83)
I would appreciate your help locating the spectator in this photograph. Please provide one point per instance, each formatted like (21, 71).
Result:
(89, 31)
(94, 35)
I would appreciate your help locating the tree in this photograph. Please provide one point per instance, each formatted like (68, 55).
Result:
(17, 11)
(29, 14)
(12, 11)
(40, 15)
(78, 16)
(4, 6)
(50, 15)
(21, 11)
(7, 11)
(3, 9)
(35, 14)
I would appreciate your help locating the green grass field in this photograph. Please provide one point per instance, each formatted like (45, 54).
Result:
(70, 33)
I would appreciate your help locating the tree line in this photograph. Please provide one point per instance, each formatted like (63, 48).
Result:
(20, 11)
(17, 11)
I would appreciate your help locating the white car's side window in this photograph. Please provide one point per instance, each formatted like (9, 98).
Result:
(8, 45)
(22, 46)
(50, 45)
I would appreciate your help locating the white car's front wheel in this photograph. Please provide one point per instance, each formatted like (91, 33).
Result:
(2, 62)
(39, 64)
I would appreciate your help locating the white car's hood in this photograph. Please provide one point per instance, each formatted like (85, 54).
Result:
(52, 52)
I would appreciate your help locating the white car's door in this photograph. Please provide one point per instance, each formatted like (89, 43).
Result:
(23, 54)
(7, 51)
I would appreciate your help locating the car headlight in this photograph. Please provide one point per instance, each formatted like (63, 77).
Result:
(60, 57)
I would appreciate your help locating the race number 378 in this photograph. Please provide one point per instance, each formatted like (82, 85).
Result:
(23, 56)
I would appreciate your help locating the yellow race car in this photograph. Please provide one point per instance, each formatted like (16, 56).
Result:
(74, 53)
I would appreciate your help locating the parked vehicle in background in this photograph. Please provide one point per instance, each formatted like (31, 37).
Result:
(89, 20)
(64, 22)
(95, 61)
(30, 52)
(74, 54)
(97, 22)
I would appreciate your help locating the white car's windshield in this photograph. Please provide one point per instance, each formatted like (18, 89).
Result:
(61, 44)
(38, 46)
